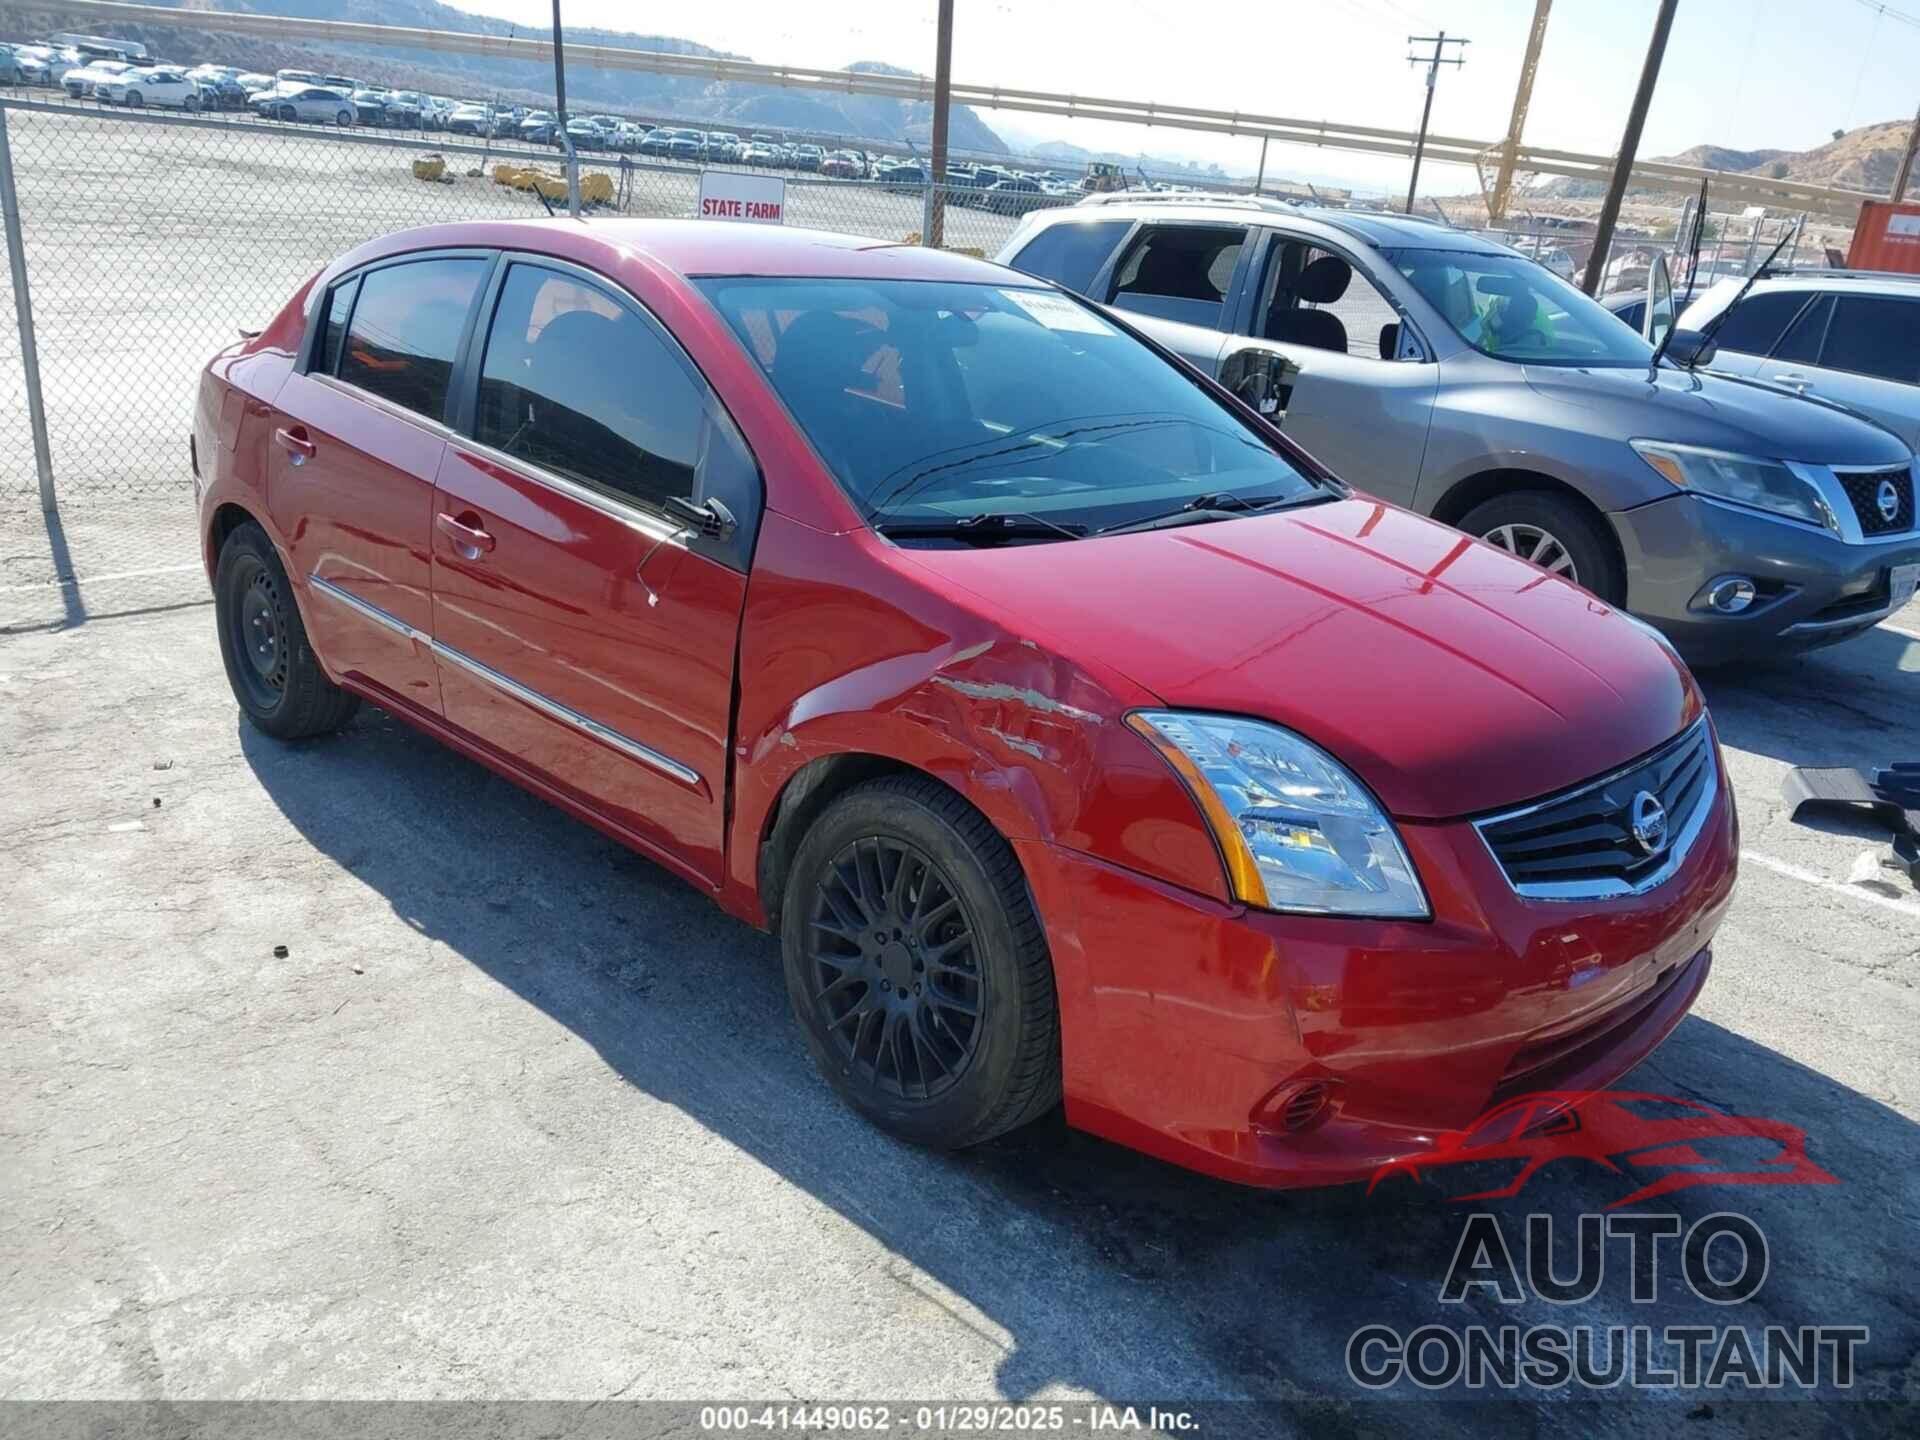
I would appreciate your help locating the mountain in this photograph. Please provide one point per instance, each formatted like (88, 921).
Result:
(1861, 159)
(862, 117)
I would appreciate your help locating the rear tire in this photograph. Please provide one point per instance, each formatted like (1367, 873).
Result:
(344, 119)
(289, 114)
(917, 967)
(1567, 538)
(275, 675)
(135, 99)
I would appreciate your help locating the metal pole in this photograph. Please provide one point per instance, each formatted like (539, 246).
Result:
(934, 220)
(1433, 62)
(23, 311)
(560, 110)
(1629, 148)
(1260, 180)
(1522, 99)
(1905, 173)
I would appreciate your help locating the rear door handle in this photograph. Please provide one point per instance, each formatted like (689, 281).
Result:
(297, 443)
(466, 533)
(1798, 382)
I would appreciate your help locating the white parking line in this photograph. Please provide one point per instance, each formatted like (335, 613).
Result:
(95, 579)
(1794, 872)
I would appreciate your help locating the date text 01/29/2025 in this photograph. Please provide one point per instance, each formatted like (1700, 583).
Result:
(966, 1418)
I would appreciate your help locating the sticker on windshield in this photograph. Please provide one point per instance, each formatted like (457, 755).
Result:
(1056, 312)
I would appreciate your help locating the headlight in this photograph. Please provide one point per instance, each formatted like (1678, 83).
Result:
(1297, 830)
(1743, 479)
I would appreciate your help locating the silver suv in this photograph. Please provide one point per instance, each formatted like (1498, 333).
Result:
(1452, 375)
(1846, 335)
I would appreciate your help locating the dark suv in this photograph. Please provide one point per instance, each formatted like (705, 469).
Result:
(1454, 376)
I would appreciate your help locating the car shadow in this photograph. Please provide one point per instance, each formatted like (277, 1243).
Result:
(1853, 704)
(1094, 1267)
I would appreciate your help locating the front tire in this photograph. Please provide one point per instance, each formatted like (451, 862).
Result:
(917, 967)
(135, 99)
(275, 675)
(1554, 533)
(344, 119)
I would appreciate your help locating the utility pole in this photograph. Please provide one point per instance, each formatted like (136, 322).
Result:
(1629, 148)
(1905, 173)
(560, 111)
(1522, 99)
(933, 220)
(1433, 63)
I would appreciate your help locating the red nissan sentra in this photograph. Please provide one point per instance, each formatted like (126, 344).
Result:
(1080, 736)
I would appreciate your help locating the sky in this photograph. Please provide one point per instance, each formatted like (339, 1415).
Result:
(1745, 73)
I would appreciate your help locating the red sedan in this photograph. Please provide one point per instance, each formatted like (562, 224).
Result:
(1080, 736)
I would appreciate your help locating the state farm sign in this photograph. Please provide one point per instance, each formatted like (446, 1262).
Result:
(728, 195)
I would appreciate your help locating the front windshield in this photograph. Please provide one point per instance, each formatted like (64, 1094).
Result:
(936, 402)
(1509, 307)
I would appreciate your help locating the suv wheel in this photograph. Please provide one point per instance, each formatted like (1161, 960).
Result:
(1554, 533)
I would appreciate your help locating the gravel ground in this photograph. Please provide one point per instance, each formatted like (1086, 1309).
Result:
(514, 1114)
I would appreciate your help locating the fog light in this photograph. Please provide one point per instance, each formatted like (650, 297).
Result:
(1730, 594)
(1294, 1108)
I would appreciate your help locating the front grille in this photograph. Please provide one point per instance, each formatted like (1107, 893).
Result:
(1863, 489)
(1581, 844)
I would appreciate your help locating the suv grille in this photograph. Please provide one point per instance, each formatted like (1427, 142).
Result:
(1582, 843)
(1863, 490)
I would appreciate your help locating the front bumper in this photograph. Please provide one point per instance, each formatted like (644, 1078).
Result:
(1182, 1019)
(1816, 589)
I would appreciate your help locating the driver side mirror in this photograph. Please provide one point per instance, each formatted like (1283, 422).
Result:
(1691, 348)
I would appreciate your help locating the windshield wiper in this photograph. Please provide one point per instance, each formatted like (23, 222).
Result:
(1214, 505)
(987, 529)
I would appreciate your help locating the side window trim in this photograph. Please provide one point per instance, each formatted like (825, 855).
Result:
(465, 396)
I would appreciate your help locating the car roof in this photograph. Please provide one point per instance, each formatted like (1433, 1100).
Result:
(697, 248)
(1405, 232)
(1880, 282)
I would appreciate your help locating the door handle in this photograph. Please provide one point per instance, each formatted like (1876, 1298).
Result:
(466, 533)
(1798, 382)
(297, 443)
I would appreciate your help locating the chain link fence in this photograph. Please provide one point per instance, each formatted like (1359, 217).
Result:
(151, 240)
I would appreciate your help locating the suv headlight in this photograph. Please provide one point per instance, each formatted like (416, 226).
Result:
(1297, 830)
(1748, 480)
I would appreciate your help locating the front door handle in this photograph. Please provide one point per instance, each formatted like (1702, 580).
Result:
(1798, 382)
(296, 442)
(468, 537)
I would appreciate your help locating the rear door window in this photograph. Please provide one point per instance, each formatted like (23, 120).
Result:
(1801, 343)
(1755, 325)
(406, 328)
(1071, 253)
(1179, 272)
(1873, 335)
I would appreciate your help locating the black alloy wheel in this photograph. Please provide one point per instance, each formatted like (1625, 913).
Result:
(897, 982)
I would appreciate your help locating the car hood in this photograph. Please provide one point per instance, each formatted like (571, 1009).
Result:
(1718, 411)
(1452, 677)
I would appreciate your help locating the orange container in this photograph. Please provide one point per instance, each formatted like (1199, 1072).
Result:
(1887, 237)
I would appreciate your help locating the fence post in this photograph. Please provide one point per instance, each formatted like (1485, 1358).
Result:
(23, 310)
(926, 213)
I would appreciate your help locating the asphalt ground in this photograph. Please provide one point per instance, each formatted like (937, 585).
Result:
(516, 1115)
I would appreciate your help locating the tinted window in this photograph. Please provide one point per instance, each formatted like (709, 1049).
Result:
(577, 383)
(339, 307)
(1873, 335)
(935, 402)
(1632, 316)
(1070, 254)
(1179, 272)
(405, 329)
(1801, 345)
(1754, 326)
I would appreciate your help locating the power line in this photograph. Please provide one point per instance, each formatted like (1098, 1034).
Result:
(1890, 13)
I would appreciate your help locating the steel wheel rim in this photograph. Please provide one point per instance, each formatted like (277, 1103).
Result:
(893, 969)
(258, 634)
(1541, 547)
